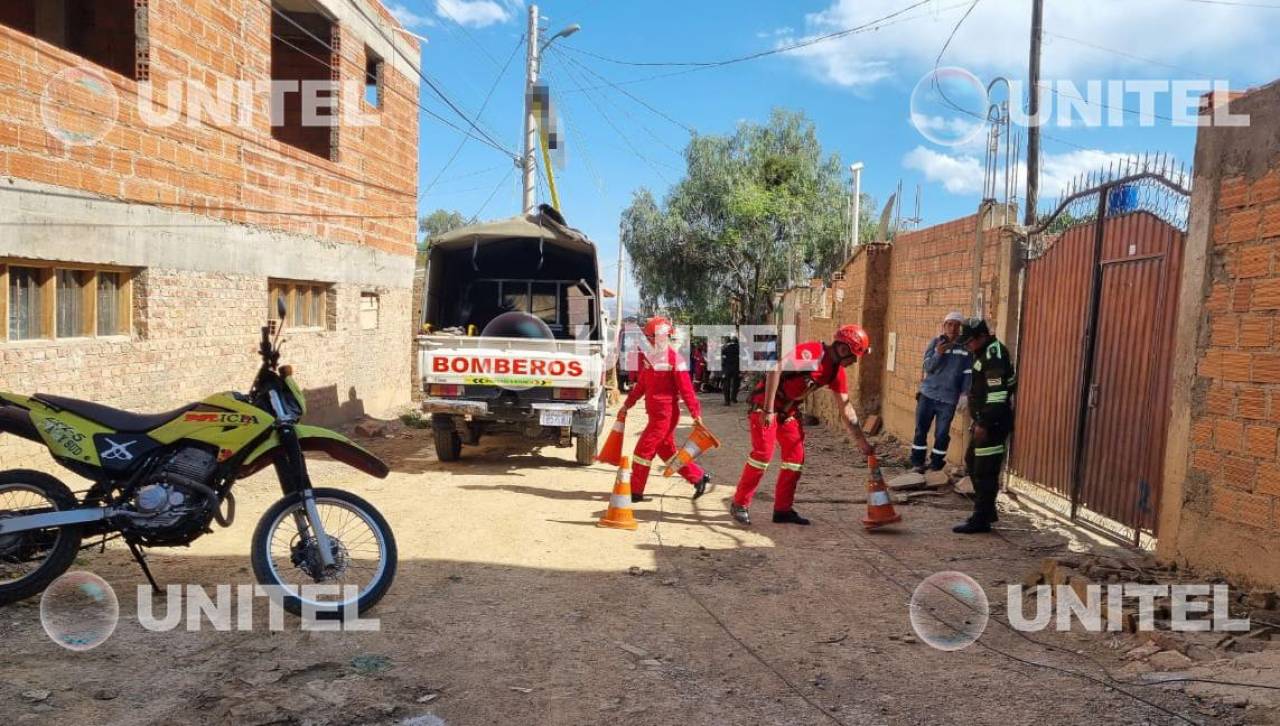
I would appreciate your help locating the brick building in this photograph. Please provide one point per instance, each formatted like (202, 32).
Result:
(157, 192)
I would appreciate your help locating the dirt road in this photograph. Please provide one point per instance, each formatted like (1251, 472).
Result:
(512, 607)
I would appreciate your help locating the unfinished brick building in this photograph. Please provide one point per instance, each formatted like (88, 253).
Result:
(153, 204)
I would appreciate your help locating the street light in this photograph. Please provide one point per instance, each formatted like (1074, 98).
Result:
(565, 32)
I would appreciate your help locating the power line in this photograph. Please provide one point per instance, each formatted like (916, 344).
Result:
(633, 119)
(430, 84)
(458, 149)
(1233, 3)
(395, 47)
(628, 94)
(625, 139)
(241, 137)
(1123, 54)
(428, 111)
(758, 54)
(489, 198)
(441, 9)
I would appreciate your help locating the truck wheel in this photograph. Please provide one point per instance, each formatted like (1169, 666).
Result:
(448, 444)
(586, 452)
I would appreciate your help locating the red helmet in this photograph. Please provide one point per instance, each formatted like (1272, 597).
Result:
(656, 325)
(856, 338)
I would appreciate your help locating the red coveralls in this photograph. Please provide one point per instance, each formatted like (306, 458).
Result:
(663, 387)
(804, 370)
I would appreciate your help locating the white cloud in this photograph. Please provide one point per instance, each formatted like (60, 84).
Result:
(409, 18)
(1230, 42)
(477, 13)
(962, 173)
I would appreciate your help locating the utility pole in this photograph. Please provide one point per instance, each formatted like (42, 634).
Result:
(530, 122)
(856, 170)
(1033, 108)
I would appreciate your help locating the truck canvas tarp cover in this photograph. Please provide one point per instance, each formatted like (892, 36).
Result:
(534, 264)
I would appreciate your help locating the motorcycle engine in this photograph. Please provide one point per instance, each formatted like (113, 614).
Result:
(174, 504)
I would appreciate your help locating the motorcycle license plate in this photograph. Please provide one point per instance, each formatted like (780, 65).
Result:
(552, 417)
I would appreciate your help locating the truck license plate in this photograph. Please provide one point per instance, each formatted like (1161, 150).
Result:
(552, 417)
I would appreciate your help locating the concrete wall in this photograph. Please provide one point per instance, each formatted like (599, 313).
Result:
(1221, 502)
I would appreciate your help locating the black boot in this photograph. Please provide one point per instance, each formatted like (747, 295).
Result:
(703, 486)
(788, 517)
(972, 526)
(637, 498)
(740, 515)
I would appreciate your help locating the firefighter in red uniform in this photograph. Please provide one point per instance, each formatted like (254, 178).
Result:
(810, 366)
(664, 382)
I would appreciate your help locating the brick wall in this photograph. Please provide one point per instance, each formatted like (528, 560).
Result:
(857, 294)
(221, 172)
(904, 290)
(1223, 498)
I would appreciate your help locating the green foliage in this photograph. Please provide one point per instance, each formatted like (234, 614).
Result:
(755, 211)
(436, 224)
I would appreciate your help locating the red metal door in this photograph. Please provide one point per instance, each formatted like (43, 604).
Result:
(1129, 387)
(1095, 352)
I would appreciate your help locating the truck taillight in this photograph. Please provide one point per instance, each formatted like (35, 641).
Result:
(570, 394)
(450, 391)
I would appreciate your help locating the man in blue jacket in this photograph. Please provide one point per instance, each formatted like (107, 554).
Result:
(947, 368)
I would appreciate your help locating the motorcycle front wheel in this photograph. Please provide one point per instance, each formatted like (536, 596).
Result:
(285, 554)
(30, 560)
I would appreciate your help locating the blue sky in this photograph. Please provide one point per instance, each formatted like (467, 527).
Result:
(856, 88)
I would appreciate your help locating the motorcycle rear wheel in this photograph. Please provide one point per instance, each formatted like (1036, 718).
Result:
(29, 492)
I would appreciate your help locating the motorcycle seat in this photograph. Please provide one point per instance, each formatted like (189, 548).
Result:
(124, 421)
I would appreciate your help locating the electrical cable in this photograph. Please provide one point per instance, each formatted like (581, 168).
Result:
(489, 198)
(759, 54)
(662, 142)
(410, 61)
(1124, 54)
(625, 139)
(458, 149)
(684, 586)
(430, 84)
(627, 93)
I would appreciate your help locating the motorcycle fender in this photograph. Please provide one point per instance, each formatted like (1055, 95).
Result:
(17, 421)
(315, 438)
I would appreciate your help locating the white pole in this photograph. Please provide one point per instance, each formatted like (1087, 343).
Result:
(622, 254)
(530, 123)
(856, 169)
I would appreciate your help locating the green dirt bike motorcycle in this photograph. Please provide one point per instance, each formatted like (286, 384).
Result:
(162, 480)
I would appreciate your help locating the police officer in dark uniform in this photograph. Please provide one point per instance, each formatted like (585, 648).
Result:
(991, 390)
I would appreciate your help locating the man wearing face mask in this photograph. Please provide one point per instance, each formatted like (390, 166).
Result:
(947, 367)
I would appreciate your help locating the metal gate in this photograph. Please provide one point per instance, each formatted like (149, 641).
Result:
(1096, 347)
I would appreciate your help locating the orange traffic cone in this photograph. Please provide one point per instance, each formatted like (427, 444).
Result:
(611, 453)
(619, 516)
(701, 440)
(879, 506)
